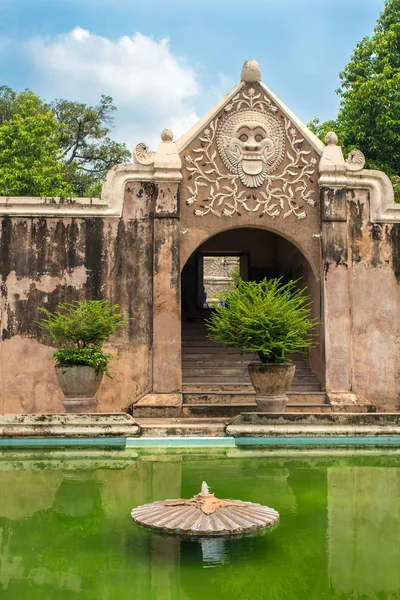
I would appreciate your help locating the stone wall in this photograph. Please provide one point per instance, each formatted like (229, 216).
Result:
(362, 300)
(45, 261)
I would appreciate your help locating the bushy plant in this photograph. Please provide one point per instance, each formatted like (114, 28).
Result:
(269, 318)
(80, 328)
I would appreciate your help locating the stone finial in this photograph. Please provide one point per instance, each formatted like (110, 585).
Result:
(331, 139)
(332, 160)
(251, 72)
(167, 135)
(355, 160)
(142, 155)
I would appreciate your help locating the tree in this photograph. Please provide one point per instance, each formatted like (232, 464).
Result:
(83, 154)
(369, 115)
(29, 148)
(87, 151)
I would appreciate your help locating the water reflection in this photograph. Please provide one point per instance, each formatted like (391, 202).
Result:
(78, 495)
(214, 551)
(364, 532)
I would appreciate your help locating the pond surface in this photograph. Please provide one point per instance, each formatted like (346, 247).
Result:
(66, 533)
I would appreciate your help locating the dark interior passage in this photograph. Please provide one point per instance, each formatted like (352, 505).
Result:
(264, 254)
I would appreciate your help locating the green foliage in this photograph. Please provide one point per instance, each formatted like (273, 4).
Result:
(322, 128)
(29, 150)
(80, 328)
(87, 151)
(83, 323)
(268, 317)
(92, 356)
(370, 94)
(61, 149)
(369, 115)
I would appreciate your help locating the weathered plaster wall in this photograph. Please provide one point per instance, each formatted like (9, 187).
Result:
(374, 289)
(362, 300)
(44, 261)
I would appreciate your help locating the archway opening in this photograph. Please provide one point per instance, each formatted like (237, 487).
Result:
(258, 253)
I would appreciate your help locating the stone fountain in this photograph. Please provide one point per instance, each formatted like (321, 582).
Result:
(205, 515)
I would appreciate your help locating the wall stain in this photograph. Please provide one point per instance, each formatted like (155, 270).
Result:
(94, 257)
(355, 224)
(395, 244)
(5, 247)
(377, 237)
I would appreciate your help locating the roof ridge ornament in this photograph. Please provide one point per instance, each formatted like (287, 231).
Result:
(251, 72)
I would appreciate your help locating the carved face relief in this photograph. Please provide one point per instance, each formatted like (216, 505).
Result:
(251, 145)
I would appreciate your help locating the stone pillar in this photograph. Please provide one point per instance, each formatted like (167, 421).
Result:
(164, 170)
(337, 315)
(336, 283)
(166, 293)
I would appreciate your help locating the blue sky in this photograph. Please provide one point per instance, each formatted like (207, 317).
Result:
(166, 62)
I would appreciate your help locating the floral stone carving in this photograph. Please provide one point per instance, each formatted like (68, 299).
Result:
(252, 144)
(355, 160)
(142, 155)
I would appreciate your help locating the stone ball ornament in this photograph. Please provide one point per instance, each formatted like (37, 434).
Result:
(167, 135)
(331, 139)
(251, 72)
(205, 515)
(251, 145)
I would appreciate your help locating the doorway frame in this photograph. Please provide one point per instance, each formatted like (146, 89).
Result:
(243, 268)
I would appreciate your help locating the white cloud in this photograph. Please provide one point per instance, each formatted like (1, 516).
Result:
(150, 86)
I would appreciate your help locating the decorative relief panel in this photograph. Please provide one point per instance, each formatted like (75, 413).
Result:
(250, 158)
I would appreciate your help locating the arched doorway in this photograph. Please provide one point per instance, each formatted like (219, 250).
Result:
(214, 375)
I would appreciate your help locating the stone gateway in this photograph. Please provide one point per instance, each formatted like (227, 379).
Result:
(249, 186)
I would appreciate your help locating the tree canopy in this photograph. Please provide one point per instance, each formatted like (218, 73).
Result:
(29, 148)
(369, 115)
(57, 149)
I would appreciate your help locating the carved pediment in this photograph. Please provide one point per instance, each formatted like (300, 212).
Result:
(250, 156)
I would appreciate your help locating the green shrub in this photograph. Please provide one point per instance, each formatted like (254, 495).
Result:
(79, 329)
(268, 317)
(91, 356)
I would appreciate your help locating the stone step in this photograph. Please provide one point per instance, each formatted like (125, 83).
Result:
(219, 363)
(189, 427)
(240, 397)
(216, 359)
(211, 350)
(211, 381)
(244, 388)
(214, 410)
(237, 370)
(216, 350)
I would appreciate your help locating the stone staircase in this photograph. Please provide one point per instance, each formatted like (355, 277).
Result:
(216, 384)
(215, 380)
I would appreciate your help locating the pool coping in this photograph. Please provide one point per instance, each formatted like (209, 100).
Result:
(201, 442)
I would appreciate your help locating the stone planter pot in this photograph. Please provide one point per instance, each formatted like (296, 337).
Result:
(79, 385)
(271, 381)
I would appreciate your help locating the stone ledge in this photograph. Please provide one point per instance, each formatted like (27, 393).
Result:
(108, 425)
(314, 425)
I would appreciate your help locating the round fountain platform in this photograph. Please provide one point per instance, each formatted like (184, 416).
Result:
(205, 515)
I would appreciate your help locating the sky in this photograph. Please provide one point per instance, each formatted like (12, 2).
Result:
(167, 62)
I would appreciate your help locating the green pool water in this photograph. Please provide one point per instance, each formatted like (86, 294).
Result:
(65, 528)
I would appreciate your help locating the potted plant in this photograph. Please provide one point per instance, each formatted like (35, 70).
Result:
(79, 329)
(271, 319)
